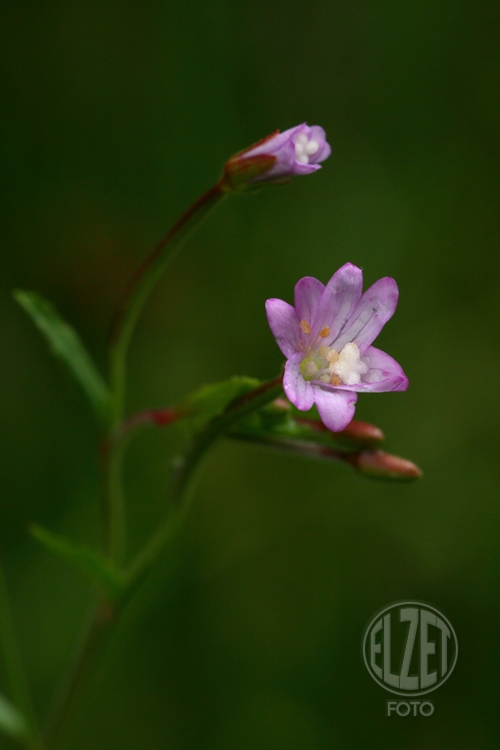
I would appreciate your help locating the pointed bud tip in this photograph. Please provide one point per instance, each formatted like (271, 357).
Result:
(386, 466)
(276, 158)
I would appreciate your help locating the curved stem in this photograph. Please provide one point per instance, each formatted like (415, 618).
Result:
(15, 671)
(139, 289)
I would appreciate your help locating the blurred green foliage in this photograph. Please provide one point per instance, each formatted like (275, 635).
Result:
(116, 115)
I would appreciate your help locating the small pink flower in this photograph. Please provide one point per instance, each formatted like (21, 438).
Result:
(327, 340)
(278, 157)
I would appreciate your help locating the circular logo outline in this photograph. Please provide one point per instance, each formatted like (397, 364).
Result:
(377, 617)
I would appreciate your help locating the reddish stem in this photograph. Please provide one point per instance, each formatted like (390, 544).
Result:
(123, 304)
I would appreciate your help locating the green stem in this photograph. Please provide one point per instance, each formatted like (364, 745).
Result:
(14, 669)
(113, 503)
(138, 291)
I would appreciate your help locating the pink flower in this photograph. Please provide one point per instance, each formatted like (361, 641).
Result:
(278, 157)
(327, 340)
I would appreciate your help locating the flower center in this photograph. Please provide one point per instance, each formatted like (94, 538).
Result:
(335, 368)
(304, 148)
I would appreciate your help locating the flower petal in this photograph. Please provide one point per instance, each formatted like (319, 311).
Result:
(385, 374)
(297, 390)
(299, 168)
(374, 309)
(284, 325)
(339, 299)
(335, 407)
(282, 146)
(308, 293)
(318, 134)
(277, 142)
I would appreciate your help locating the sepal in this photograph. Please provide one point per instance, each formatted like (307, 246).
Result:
(239, 171)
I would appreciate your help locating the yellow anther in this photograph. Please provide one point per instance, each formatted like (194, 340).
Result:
(324, 332)
(336, 380)
(324, 351)
(305, 327)
(332, 356)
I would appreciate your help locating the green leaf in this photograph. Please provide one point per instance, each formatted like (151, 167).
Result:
(11, 720)
(67, 345)
(88, 561)
(211, 400)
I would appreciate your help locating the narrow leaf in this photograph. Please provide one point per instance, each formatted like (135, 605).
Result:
(11, 720)
(67, 345)
(211, 400)
(86, 560)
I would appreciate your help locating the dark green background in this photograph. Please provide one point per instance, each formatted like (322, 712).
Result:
(116, 115)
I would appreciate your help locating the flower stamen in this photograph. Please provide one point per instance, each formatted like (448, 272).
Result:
(349, 366)
(305, 327)
(304, 148)
(324, 332)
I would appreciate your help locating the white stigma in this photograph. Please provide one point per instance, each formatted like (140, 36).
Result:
(304, 148)
(311, 370)
(349, 366)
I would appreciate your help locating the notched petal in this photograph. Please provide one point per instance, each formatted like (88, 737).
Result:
(335, 407)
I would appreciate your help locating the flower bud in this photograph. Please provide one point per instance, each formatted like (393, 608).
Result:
(378, 464)
(363, 433)
(276, 158)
